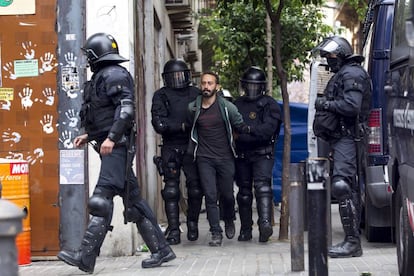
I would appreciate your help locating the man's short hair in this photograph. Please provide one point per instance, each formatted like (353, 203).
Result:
(212, 74)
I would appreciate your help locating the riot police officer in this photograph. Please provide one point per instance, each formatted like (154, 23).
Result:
(255, 153)
(340, 116)
(169, 115)
(108, 115)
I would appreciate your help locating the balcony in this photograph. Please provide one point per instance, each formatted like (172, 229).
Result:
(180, 14)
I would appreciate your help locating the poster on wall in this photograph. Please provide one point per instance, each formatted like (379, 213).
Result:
(16, 7)
(71, 167)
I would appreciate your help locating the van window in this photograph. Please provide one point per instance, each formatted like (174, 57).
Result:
(399, 43)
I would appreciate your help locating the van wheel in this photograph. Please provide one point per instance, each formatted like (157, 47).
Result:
(404, 235)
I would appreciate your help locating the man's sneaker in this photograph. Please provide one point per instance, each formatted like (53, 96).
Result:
(229, 229)
(245, 235)
(156, 259)
(216, 239)
(75, 259)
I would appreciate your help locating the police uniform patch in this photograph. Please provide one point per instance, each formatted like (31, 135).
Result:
(252, 115)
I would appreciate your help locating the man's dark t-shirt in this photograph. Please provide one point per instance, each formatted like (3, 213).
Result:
(213, 142)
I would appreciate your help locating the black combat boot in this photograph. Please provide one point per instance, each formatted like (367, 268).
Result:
(351, 246)
(173, 236)
(173, 217)
(75, 259)
(161, 256)
(265, 231)
(192, 230)
(264, 210)
(161, 252)
(92, 241)
(245, 212)
(245, 235)
(229, 228)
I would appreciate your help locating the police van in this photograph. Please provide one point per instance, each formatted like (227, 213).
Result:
(376, 190)
(399, 92)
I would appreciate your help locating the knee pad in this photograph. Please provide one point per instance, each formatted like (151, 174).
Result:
(262, 189)
(172, 170)
(341, 190)
(244, 197)
(101, 204)
(195, 192)
(171, 192)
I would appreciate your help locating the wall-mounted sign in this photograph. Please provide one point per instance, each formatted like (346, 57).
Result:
(15, 7)
(71, 167)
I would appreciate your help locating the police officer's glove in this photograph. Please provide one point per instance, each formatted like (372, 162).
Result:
(245, 129)
(322, 104)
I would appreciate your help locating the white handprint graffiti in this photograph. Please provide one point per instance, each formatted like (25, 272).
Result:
(47, 123)
(5, 104)
(25, 95)
(72, 94)
(70, 59)
(29, 52)
(9, 67)
(49, 94)
(66, 139)
(14, 155)
(11, 136)
(72, 116)
(37, 155)
(47, 63)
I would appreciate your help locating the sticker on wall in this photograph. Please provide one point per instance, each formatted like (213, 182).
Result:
(71, 167)
(26, 68)
(6, 96)
(70, 81)
(15, 7)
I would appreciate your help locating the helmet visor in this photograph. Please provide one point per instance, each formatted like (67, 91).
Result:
(177, 79)
(326, 47)
(252, 90)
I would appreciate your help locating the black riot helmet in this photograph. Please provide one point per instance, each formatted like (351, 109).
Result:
(102, 48)
(176, 74)
(336, 50)
(253, 82)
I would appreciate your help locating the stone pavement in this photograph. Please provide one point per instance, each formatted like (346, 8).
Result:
(233, 258)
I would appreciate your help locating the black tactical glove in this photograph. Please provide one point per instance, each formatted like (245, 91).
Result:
(322, 104)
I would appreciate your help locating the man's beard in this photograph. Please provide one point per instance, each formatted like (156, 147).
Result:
(208, 93)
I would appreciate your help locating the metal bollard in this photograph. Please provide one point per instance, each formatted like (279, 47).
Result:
(317, 181)
(10, 225)
(296, 200)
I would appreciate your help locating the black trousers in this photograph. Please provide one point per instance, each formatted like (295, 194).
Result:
(112, 178)
(217, 178)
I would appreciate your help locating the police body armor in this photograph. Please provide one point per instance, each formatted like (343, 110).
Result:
(253, 112)
(98, 110)
(329, 125)
(168, 116)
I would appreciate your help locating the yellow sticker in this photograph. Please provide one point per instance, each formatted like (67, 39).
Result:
(6, 94)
